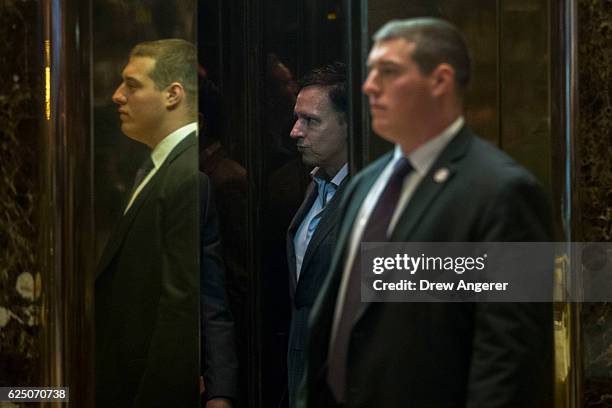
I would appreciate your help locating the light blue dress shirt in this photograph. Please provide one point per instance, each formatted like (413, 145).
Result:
(325, 192)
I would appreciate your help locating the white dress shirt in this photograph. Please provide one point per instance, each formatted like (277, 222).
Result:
(421, 160)
(160, 153)
(311, 221)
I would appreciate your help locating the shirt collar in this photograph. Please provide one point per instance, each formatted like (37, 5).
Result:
(337, 179)
(424, 156)
(163, 148)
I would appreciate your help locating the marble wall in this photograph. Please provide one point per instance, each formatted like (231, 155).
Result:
(594, 182)
(20, 92)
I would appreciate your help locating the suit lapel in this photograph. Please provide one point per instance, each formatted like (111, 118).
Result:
(426, 191)
(325, 225)
(118, 236)
(311, 195)
(356, 198)
(429, 188)
(350, 204)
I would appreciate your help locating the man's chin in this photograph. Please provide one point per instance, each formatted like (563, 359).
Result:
(379, 127)
(308, 162)
(126, 131)
(384, 132)
(130, 133)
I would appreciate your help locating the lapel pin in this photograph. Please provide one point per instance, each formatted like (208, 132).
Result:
(441, 175)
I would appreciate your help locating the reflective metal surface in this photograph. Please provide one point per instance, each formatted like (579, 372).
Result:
(524, 66)
(116, 156)
(357, 49)
(524, 100)
(67, 334)
(297, 37)
(254, 52)
(568, 342)
(148, 295)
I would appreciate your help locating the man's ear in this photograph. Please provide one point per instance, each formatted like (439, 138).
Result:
(443, 79)
(175, 93)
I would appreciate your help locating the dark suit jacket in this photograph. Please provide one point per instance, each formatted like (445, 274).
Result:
(148, 293)
(219, 359)
(443, 354)
(315, 267)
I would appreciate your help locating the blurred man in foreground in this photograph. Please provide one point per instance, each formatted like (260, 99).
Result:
(440, 183)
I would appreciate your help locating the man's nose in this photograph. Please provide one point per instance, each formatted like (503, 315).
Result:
(296, 131)
(369, 86)
(118, 96)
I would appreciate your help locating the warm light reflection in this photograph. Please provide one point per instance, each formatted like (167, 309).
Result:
(332, 16)
(48, 79)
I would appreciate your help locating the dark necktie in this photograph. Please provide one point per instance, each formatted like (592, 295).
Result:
(142, 172)
(374, 231)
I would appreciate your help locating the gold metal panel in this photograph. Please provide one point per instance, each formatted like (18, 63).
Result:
(524, 84)
(477, 20)
(67, 206)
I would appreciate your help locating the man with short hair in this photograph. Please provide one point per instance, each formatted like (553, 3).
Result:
(148, 279)
(441, 183)
(320, 131)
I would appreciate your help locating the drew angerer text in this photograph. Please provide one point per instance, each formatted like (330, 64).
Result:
(425, 285)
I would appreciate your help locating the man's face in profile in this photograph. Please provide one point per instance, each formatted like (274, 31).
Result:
(141, 104)
(319, 130)
(397, 90)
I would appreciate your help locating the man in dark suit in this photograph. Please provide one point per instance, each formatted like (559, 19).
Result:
(441, 183)
(321, 137)
(148, 291)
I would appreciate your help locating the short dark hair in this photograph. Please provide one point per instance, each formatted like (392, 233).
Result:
(333, 78)
(436, 41)
(175, 60)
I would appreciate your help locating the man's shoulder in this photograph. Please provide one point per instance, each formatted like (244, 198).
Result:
(488, 163)
(183, 158)
(180, 170)
(373, 169)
